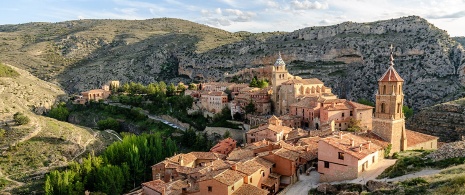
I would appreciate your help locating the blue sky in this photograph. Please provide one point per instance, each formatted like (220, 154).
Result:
(241, 15)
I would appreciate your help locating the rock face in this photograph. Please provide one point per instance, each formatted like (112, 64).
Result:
(446, 120)
(449, 150)
(348, 57)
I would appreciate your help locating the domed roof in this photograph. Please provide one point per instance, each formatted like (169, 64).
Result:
(279, 61)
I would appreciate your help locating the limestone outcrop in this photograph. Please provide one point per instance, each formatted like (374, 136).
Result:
(349, 57)
(446, 120)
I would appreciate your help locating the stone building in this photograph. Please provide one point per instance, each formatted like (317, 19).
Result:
(213, 101)
(272, 131)
(93, 95)
(345, 157)
(389, 120)
(310, 105)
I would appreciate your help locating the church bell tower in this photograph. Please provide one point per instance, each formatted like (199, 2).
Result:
(279, 76)
(388, 122)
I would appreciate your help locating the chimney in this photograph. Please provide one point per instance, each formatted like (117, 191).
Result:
(369, 145)
(340, 135)
(352, 142)
(360, 148)
(233, 167)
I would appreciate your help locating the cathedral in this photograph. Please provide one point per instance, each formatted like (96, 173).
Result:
(311, 103)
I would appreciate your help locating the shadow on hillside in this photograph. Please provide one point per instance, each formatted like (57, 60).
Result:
(51, 140)
(142, 57)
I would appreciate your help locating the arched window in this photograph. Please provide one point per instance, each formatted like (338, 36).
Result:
(382, 108)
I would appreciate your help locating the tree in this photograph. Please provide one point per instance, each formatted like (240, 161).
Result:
(262, 83)
(408, 112)
(238, 116)
(192, 86)
(250, 108)
(254, 82)
(170, 89)
(354, 125)
(181, 87)
(365, 102)
(21, 119)
(109, 123)
(229, 93)
(59, 112)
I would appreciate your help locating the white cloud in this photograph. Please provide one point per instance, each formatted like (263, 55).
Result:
(307, 5)
(218, 10)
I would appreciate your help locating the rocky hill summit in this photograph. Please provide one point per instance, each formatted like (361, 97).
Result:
(446, 120)
(348, 57)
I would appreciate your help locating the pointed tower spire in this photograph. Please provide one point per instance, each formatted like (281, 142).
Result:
(391, 63)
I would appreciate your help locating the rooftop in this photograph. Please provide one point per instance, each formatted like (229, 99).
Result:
(248, 189)
(414, 138)
(356, 151)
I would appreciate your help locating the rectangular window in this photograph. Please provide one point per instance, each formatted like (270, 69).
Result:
(326, 164)
(232, 188)
(210, 188)
(373, 159)
(342, 114)
(350, 113)
(340, 155)
(250, 179)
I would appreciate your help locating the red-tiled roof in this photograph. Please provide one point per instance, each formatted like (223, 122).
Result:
(271, 127)
(157, 185)
(391, 75)
(248, 189)
(229, 177)
(344, 144)
(311, 81)
(239, 154)
(414, 138)
(224, 146)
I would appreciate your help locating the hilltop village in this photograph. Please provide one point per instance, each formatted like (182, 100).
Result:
(295, 126)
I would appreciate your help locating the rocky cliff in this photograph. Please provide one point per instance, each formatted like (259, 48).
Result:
(446, 120)
(348, 57)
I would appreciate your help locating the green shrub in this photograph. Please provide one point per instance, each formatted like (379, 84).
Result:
(414, 182)
(6, 71)
(395, 155)
(109, 123)
(2, 132)
(59, 112)
(387, 151)
(21, 119)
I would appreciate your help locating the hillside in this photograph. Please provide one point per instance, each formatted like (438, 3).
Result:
(446, 120)
(29, 151)
(461, 40)
(348, 57)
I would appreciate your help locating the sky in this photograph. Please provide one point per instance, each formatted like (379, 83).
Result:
(241, 15)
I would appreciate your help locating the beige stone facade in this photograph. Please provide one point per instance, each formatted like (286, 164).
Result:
(389, 122)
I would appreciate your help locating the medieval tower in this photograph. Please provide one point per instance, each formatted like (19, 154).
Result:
(388, 122)
(279, 75)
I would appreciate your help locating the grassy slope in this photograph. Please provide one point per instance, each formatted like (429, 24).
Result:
(29, 151)
(46, 49)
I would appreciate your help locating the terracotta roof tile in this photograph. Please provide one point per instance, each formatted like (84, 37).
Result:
(239, 154)
(344, 144)
(224, 146)
(157, 185)
(414, 138)
(311, 81)
(248, 189)
(391, 75)
(229, 177)
(271, 127)
(269, 181)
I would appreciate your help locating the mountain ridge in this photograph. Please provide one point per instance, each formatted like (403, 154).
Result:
(348, 57)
